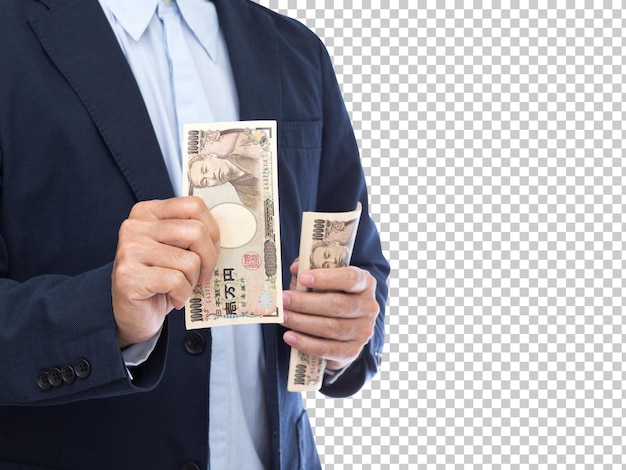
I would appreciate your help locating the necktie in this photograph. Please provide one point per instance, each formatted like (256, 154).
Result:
(191, 103)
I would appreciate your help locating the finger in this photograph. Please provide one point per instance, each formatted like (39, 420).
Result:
(182, 233)
(347, 279)
(142, 300)
(166, 222)
(134, 256)
(188, 235)
(190, 207)
(293, 269)
(151, 281)
(323, 304)
(339, 352)
(334, 303)
(338, 329)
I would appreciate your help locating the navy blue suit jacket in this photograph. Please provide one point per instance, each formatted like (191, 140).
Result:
(77, 151)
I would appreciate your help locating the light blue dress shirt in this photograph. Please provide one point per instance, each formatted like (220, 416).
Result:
(238, 425)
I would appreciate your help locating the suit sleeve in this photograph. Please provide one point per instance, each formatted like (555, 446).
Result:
(341, 185)
(58, 341)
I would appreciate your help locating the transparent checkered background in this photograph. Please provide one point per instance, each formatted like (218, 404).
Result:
(492, 140)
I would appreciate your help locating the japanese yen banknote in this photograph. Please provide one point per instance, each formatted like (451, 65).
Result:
(232, 167)
(326, 241)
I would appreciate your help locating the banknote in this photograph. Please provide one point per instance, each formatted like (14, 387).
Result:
(232, 167)
(326, 241)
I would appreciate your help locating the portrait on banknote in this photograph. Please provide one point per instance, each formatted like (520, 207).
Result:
(229, 158)
(333, 247)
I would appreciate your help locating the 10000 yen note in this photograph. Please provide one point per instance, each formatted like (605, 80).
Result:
(232, 167)
(326, 241)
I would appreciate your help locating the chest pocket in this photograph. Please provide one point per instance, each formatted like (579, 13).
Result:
(299, 155)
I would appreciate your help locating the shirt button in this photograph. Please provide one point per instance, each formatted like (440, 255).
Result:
(82, 368)
(54, 377)
(194, 343)
(42, 381)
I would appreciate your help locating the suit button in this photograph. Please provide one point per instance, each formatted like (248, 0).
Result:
(189, 466)
(194, 343)
(68, 374)
(43, 382)
(82, 368)
(54, 377)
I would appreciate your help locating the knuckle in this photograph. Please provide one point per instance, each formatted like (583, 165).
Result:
(354, 350)
(127, 227)
(215, 233)
(140, 209)
(127, 251)
(372, 283)
(197, 206)
(178, 282)
(339, 303)
(186, 260)
(366, 332)
(353, 275)
(122, 274)
(361, 280)
(358, 279)
(196, 229)
(372, 308)
(197, 203)
(368, 283)
(327, 351)
(350, 333)
(334, 327)
(136, 210)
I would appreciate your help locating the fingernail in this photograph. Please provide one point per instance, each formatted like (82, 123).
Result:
(286, 300)
(307, 279)
(218, 247)
(290, 338)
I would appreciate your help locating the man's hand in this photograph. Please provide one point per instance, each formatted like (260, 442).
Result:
(336, 322)
(165, 249)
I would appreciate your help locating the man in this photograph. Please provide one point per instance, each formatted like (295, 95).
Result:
(328, 254)
(97, 255)
(239, 167)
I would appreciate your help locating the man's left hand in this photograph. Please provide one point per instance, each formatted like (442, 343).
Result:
(337, 319)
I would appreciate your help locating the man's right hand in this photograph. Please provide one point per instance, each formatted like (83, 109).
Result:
(165, 248)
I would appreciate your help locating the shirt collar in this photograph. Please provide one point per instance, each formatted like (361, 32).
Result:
(135, 16)
(201, 17)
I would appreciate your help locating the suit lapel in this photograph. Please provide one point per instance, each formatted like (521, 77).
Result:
(77, 37)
